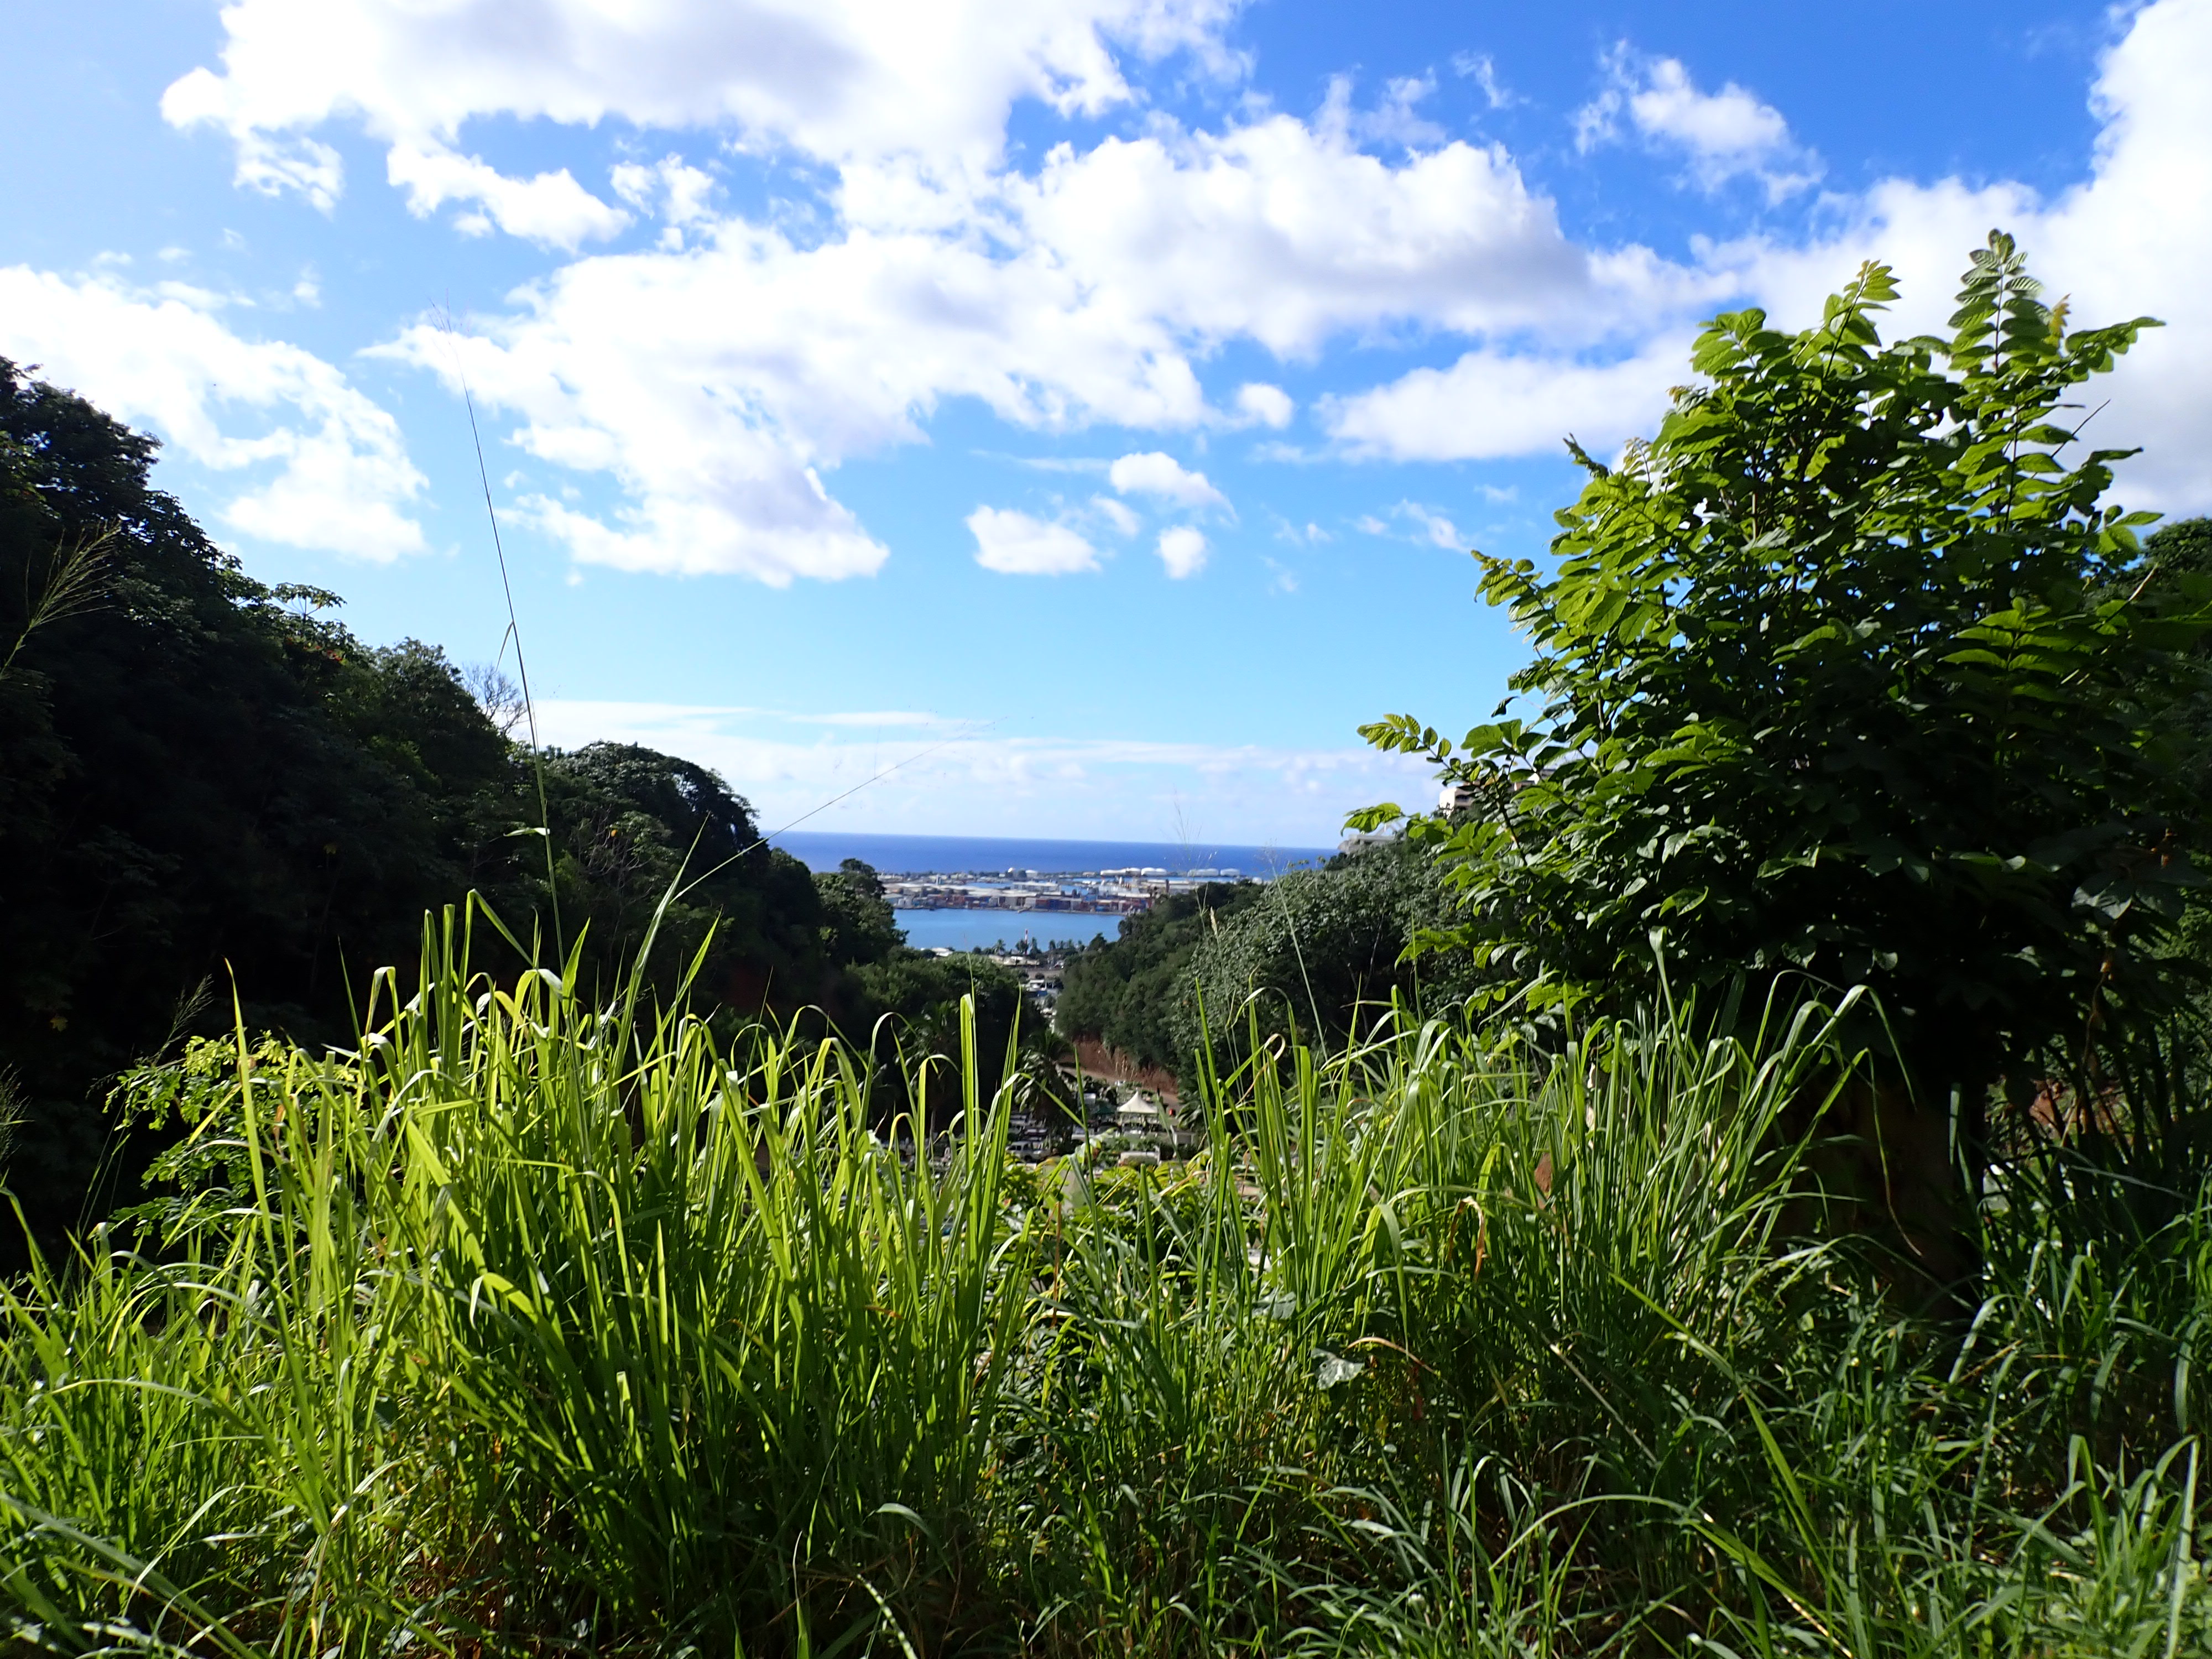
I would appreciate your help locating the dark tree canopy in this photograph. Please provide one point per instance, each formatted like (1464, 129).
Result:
(209, 787)
(1320, 959)
(1303, 954)
(200, 776)
(629, 824)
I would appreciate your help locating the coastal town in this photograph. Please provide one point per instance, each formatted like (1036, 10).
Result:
(1088, 892)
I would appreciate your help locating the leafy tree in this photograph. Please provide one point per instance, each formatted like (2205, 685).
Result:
(201, 777)
(859, 924)
(1847, 673)
(910, 1002)
(2177, 561)
(208, 786)
(1120, 991)
(638, 835)
(1316, 958)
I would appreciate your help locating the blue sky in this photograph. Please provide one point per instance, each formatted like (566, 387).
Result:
(1085, 407)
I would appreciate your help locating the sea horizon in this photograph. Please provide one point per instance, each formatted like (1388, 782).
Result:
(985, 855)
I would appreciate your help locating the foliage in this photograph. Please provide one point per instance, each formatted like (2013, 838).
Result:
(648, 843)
(1121, 991)
(1298, 957)
(209, 788)
(2176, 568)
(915, 1003)
(200, 776)
(534, 1325)
(1836, 681)
(859, 924)
(1322, 954)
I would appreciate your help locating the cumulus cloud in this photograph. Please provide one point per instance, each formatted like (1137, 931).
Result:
(333, 470)
(1115, 514)
(2119, 244)
(1085, 291)
(2130, 239)
(1440, 530)
(841, 80)
(720, 378)
(1724, 135)
(551, 210)
(1482, 69)
(1269, 405)
(1154, 474)
(1020, 545)
(1182, 550)
(681, 193)
(1410, 521)
(1490, 404)
(1396, 120)
(1282, 233)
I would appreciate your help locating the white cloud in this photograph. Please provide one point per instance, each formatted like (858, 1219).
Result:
(1283, 234)
(841, 80)
(1020, 545)
(1269, 405)
(551, 210)
(1483, 71)
(2133, 238)
(1410, 521)
(1725, 134)
(1440, 530)
(1182, 550)
(1394, 121)
(199, 298)
(762, 518)
(1037, 785)
(682, 193)
(1155, 474)
(1115, 514)
(341, 480)
(719, 380)
(1489, 405)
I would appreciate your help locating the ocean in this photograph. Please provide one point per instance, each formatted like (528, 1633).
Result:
(984, 855)
(968, 930)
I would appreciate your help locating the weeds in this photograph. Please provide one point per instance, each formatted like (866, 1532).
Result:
(531, 1326)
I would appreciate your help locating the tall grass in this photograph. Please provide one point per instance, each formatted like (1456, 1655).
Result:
(531, 1327)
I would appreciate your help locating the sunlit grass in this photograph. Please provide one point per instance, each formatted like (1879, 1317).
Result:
(535, 1327)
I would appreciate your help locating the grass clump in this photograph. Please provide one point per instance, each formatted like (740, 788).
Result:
(530, 1326)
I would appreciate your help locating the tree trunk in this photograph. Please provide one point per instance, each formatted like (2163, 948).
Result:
(1892, 1168)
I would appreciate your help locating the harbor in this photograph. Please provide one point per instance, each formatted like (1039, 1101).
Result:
(1115, 892)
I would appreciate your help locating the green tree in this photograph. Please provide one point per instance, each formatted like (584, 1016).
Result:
(858, 925)
(203, 781)
(639, 835)
(2177, 559)
(1121, 991)
(909, 1021)
(1848, 674)
(1315, 959)
(208, 785)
